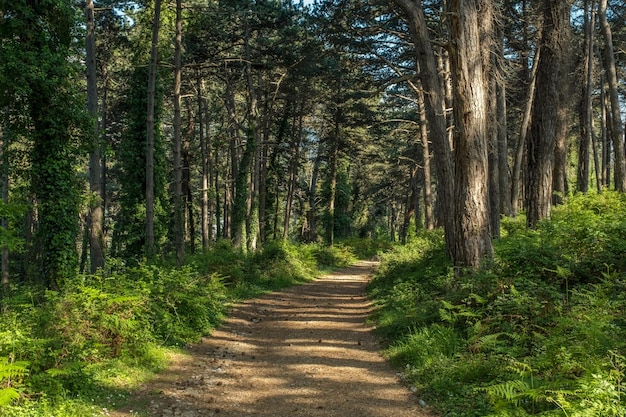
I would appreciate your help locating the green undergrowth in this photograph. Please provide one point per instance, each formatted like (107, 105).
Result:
(82, 351)
(539, 331)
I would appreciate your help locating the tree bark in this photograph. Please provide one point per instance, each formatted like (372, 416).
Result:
(434, 106)
(560, 186)
(543, 129)
(150, 130)
(617, 129)
(429, 217)
(96, 211)
(585, 114)
(467, 62)
(516, 181)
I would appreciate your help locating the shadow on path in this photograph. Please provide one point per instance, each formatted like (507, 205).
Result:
(301, 352)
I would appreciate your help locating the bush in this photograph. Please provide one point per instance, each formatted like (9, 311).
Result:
(538, 331)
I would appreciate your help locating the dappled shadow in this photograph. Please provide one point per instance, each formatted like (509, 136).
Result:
(301, 352)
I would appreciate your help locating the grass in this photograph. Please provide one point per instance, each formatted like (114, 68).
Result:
(538, 331)
(82, 351)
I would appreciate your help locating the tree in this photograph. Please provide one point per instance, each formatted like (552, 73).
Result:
(45, 77)
(434, 105)
(150, 130)
(179, 232)
(472, 224)
(543, 127)
(617, 129)
(96, 214)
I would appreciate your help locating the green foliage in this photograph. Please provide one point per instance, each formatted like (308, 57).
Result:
(101, 335)
(9, 237)
(333, 256)
(9, 372)
(540, 331)
(129, 233)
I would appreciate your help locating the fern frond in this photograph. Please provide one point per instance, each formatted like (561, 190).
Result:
(7, 395)
(9, 370)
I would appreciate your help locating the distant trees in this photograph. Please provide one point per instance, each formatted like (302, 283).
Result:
(254, 121)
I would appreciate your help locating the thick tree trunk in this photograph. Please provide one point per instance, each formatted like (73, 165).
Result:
(150, 130)
(560, 186)
(96, 211)
(467, 57)
(617, 129)
(543, 129)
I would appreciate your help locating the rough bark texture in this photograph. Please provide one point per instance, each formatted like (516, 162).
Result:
(542, 134)
(434, 107)
(473, 236)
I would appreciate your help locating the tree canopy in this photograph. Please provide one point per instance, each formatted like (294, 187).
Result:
(161, 128)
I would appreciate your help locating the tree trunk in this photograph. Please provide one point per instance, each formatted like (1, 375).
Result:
(230, 191)
(429, 217)
(434, 103)
(150, 130)
(311, 214)
(4, 174)
(493, 174)
(96, 212)
(516, 181)
(205, 156)
(606, 143)
(617, 129)
(503, 149)
(559, 178)
(410, 208)
(294, 152)
(467, 60)
(178, 226)
(187, 190)
(543, 129)
(586, 111)
(334, 163)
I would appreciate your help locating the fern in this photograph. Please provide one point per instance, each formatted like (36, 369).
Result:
(8, 372)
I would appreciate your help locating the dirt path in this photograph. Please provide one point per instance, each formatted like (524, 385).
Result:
(302, 352)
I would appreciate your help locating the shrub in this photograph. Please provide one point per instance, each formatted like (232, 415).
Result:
(538, 331)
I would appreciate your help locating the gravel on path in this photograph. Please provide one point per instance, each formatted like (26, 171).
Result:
(303, 352)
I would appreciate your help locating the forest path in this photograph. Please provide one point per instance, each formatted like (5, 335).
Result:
(305, 351)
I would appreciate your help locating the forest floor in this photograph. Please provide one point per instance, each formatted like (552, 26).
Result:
(306, 351)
